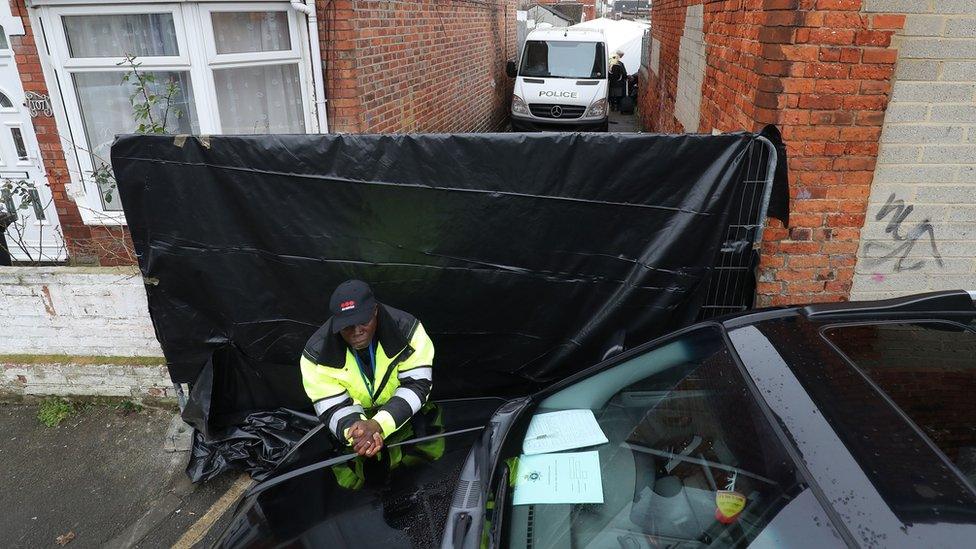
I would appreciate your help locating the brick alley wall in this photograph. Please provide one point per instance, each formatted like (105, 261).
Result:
(821, 71)
(418, 65)
(920, 231)
(691, 70)
(658, 86)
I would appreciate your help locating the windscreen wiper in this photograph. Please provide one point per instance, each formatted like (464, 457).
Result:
(272, 482)
(482, 459)
(498, 513)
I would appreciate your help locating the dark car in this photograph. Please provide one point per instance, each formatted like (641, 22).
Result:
(829, 425)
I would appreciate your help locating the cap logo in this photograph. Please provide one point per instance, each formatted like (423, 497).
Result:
(346, 305)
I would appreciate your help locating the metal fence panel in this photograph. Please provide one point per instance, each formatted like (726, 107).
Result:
(732, 286)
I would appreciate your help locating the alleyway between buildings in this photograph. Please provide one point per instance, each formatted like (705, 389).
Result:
(623, 122)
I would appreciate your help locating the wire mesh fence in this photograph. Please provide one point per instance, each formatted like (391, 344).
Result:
(732, 286)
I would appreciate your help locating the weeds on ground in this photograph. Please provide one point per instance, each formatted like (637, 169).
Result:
(127, 407)
(54, 410)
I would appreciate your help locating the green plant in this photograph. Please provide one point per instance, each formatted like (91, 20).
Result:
(152, 110)
(22, 189)
(151, 106)
(21, 206)
(105, 179)
(127, 407)
(54, 410)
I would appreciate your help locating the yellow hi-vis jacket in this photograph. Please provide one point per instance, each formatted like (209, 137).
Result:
(402, 375)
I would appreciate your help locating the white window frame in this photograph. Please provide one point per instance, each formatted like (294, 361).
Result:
(293, 56)
(5, 51)
(11, 108)
(19, 161)
(197, 56)
(210, 39)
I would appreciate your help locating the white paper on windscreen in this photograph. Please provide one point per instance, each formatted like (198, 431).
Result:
(573, 477)
(563, 430)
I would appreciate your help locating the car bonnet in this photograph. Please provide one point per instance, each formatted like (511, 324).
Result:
(398, 499)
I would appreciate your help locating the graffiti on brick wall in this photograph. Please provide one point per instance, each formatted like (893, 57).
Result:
(901, 245)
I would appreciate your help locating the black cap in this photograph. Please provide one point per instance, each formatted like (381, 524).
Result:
(352, 303)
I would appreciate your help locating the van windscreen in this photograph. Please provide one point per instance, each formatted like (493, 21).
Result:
(543, 59)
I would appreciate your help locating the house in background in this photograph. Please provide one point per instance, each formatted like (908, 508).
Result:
(587, 7)
(236, 68)
(557, 15)
(632, 9)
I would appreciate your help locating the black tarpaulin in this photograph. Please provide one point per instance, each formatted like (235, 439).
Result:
(779, 200)
(520, 253)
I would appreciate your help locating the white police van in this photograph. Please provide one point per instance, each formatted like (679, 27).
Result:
(561, 81)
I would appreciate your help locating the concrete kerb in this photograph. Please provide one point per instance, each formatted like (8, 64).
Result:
(179, 436)
(140, 379)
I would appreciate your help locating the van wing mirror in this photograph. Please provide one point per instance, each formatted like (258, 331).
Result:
(510, 69)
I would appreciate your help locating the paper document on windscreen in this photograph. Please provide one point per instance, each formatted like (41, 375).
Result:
(559, 478)
(564, 430)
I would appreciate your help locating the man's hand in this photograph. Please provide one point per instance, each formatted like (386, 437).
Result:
(367, 437)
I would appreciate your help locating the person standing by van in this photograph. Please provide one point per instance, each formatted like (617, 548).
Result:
(617, 79)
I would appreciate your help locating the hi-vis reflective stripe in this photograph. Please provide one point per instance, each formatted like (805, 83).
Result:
(323, 405)
(424, 372)
(411, 397)
(341, 413)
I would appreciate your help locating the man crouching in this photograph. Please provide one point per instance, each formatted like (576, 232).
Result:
(368, 369)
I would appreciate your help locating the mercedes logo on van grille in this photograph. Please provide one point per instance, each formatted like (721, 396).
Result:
(556, 111)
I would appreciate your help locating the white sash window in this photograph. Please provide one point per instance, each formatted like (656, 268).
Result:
(237, 68)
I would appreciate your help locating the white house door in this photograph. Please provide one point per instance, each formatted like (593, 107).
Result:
(34, 235)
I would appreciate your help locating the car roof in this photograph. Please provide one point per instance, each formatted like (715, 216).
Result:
(864, 429)
(932, 304)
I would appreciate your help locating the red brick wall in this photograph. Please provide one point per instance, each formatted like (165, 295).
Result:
(733, 64)
(656, 94)
(820, 70)
(337, 36)
(77, 235)
(589, 9)
(418, 65)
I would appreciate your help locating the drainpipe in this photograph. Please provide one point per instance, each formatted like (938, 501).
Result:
(317, 78)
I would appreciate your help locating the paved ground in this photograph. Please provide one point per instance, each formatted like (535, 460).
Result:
(618, 123)
(102, 474)
(622, 122)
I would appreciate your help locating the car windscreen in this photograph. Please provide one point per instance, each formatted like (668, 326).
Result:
(690, 460)
(929, 371)
(558, 59)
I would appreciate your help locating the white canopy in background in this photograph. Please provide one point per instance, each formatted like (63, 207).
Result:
(623, 35)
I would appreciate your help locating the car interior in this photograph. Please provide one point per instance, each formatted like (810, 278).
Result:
(683, 430)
